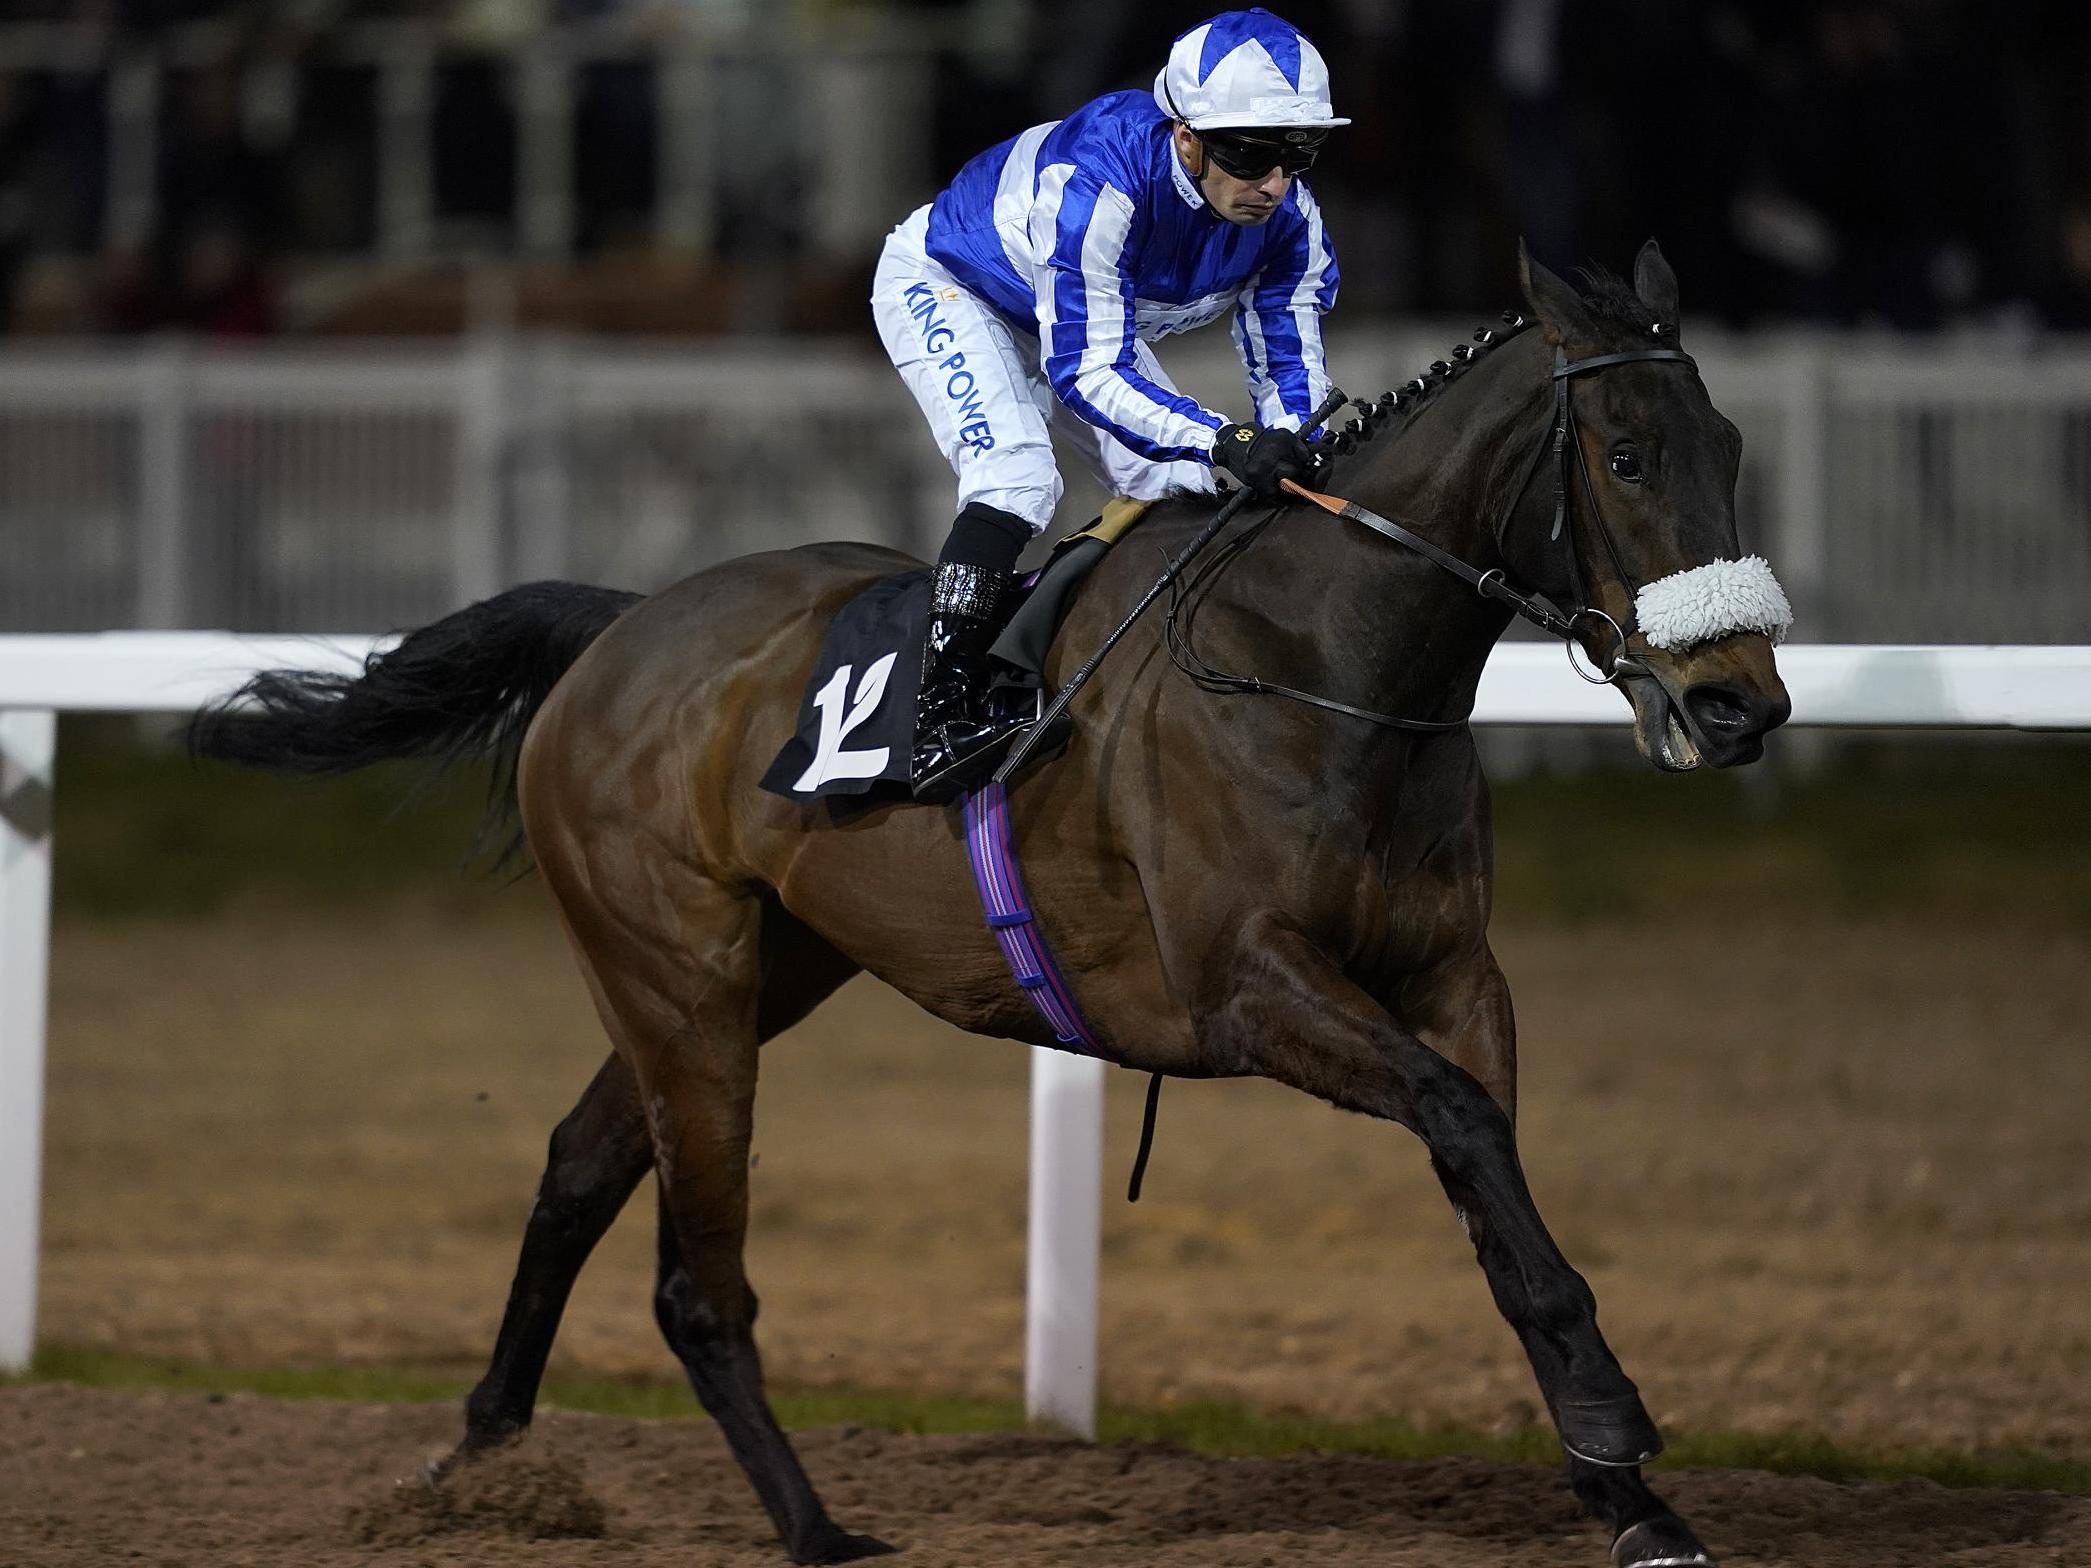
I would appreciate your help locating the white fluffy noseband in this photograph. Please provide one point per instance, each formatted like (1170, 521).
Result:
(1712, 601)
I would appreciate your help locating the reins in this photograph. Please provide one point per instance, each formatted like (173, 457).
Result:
(1182, 608)
(1490, 583)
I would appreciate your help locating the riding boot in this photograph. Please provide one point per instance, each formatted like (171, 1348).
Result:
(959, 729)
(960, 732)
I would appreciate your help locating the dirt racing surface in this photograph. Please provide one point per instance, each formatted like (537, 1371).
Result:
(93, 1478)
(1823, 1178)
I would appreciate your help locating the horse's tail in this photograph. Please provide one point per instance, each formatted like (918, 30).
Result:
(460, 688)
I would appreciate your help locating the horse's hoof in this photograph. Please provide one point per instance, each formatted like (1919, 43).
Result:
(1662, 1542)
(438, 1468)
(1615, 1432)
(835, 1545)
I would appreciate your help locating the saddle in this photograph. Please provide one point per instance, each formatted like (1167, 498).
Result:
(856, 719)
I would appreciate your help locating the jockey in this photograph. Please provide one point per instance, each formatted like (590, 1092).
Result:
(1031, 287)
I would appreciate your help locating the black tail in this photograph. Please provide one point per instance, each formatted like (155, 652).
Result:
(460, 688)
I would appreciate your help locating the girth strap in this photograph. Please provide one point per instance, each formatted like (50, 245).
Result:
(995, 873)
(1009, 917)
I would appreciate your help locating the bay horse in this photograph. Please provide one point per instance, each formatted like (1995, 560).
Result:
(1234, 885)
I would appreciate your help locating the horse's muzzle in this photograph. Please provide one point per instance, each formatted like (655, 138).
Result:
(1729, 720)
(1710, 707)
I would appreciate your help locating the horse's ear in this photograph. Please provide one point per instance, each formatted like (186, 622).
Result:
(1657, 285)
(1561, 311)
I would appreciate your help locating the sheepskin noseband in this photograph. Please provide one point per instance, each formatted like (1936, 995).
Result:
(1712, 601)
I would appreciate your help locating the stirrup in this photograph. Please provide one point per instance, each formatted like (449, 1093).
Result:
(966, 766)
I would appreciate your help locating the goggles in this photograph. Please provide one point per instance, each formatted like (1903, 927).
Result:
(1251, 156)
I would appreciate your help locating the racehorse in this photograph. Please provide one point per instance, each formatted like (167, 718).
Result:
(1236, 884)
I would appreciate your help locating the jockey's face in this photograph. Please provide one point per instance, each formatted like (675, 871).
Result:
(1247, 202)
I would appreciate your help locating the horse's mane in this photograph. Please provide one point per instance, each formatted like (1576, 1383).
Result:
(1406, 399)
(1605, 292)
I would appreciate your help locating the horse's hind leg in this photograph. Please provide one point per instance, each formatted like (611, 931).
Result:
(597, 1156)
(717, 1350)
(685, 1007)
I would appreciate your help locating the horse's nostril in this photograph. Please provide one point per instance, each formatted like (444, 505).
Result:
(1720, 710)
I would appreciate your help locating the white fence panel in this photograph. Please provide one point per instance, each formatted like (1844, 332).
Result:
(1922, 494)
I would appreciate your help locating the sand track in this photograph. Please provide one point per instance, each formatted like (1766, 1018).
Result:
(92, 1478)
(1822, 1178)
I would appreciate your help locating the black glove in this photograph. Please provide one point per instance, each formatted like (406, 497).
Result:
(1260, 458)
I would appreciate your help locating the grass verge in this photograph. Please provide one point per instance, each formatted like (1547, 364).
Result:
(1960, 827)
(1207, 1427)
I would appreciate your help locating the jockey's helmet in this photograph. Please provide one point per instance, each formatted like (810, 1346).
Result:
(1247, 70)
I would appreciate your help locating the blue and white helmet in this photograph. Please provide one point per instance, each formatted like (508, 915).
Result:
(1245, 69)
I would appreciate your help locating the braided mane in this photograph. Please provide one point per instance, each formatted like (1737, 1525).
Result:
(1373, 417)
(1605, 292)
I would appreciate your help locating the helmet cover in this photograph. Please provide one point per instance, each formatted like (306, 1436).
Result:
(1245, 69)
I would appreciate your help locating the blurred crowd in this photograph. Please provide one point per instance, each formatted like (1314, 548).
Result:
(1900, 162)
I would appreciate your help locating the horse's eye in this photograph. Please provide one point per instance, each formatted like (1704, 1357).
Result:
(1626, 465)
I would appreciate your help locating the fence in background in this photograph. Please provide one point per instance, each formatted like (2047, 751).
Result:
(1904, 493)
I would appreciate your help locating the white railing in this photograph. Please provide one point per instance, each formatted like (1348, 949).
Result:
(2037, 688)
(1905, 493)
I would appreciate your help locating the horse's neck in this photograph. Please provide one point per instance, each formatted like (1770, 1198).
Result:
(1456, 465)
(1384, 621)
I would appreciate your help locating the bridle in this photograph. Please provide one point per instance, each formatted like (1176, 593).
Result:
(1490, 583)
(1565, 442)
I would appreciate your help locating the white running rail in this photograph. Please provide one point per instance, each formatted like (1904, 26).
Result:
(1848, 686)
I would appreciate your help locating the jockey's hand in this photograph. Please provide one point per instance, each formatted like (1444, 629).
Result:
(1260, 458)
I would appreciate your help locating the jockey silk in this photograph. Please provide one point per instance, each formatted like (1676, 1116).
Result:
(1063, 252)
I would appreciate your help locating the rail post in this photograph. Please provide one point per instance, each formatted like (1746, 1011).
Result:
(28, 744)
(1066, 1227)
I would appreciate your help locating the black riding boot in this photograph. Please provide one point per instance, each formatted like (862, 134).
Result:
(959, 734)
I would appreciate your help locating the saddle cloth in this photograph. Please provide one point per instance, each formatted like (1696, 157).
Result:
(856, 727)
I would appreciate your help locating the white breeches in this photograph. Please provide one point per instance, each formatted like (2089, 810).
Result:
(981, 386)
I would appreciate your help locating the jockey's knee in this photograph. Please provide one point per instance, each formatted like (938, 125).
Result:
(1032, 492)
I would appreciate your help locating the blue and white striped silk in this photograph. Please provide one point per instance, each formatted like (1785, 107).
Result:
(1089, 233)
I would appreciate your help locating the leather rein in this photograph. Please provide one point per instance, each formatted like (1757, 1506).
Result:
(1491, 583)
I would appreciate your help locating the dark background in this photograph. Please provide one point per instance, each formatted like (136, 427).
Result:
(1910, 163)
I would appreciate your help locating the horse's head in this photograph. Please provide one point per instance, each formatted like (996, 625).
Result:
(1648, 476)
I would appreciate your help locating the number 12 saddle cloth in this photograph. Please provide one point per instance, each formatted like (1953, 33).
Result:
(856, 722)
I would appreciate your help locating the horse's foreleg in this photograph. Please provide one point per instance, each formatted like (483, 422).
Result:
(597, 1156)
(1298, 1019)
(1645, 1533)
(1465, 1015)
